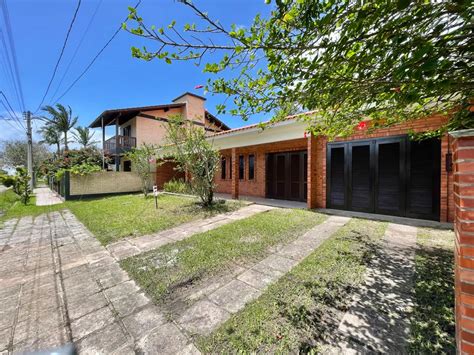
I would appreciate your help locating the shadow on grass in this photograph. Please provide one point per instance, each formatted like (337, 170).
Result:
(432, 325)
(331, 294)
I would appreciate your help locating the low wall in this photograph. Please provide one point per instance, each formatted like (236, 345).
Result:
(103, 183)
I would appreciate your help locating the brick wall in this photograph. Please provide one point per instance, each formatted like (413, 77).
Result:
(255, 187)
(167, 172)
(463, 158)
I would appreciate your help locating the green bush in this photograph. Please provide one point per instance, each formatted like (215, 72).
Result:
(177, 186)
(8, 180)
(21, 184)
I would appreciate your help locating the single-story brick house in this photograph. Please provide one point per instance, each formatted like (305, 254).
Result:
(379, 171)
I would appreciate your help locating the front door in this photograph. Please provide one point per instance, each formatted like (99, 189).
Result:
(286, 176)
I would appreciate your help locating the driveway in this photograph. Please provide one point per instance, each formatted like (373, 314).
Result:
(58, 285)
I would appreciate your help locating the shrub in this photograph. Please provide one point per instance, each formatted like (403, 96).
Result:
(177, 186)
(142, 158)
(195, 155)
(8, 180)
(21, 185)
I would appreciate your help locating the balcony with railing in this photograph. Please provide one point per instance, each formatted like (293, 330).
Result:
(119, 144)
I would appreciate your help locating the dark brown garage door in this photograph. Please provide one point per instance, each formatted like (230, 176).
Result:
(393, 176)
(286, 175)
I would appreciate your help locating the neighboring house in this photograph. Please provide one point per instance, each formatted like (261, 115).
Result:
(137, 125)
(379, 171)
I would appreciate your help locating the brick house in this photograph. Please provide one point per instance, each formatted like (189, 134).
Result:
(379, 171)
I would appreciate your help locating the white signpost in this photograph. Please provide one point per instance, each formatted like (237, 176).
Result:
(155, 193)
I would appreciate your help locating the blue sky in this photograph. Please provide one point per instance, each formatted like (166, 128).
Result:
(116, 79)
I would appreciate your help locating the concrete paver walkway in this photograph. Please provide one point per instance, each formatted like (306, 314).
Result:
(378, 320)
(218, 301)
(133, 246)
(46, 197)
(59, 285)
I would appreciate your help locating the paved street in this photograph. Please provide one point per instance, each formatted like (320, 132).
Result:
(59, 285)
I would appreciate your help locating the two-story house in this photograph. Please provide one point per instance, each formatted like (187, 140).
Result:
(137, 125)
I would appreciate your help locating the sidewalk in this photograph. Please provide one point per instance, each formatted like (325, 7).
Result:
(46, 197)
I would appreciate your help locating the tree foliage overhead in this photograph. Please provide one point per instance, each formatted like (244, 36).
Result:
(388, 61)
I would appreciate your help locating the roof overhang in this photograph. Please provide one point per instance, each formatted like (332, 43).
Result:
(122, 115)
(277, 132)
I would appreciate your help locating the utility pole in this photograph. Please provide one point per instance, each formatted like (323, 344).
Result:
(29, 137)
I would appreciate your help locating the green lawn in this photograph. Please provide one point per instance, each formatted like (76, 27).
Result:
(302, 309)
(115, 217)
(166, 269)
(11, 206)
(432, 323)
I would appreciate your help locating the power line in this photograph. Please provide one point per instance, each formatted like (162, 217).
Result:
(11, 118)
(60, 55)
(8, 68)
(12, 113)
(93, 60)
(7, 121)
(77, 48)
(6, 18)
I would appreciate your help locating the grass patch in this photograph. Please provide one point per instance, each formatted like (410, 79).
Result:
(11, 206)
(115, 217)
(303, 308)
(432, 322)
(164, 270)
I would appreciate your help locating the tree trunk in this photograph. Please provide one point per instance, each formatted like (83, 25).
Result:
(210, 197)
(65, 141)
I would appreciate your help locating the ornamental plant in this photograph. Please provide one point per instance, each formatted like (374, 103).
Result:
(21, 185)
(194, 155)
(143, 158)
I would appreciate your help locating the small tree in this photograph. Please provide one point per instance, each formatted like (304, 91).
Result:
(142, 158)
(21, 185)
(195, 156)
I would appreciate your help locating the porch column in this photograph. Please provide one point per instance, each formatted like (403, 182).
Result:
(463, 164)
(235, 174)
(316, 179)
(117, 154)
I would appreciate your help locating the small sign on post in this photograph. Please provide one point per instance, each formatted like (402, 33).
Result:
(155, 193)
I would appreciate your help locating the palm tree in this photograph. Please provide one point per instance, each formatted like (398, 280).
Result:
(51, 136)
(84, 136)
(61, 118)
